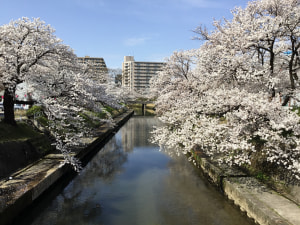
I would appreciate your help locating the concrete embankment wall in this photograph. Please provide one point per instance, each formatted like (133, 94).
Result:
(263, 205)
(26, 185)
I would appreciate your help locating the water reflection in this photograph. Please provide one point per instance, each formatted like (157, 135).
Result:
(197, 201)
(130, 182)
(137, 133)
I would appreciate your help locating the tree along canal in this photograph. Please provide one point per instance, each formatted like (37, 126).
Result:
(131, 182)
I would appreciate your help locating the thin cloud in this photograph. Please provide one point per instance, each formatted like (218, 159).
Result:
(135, 41)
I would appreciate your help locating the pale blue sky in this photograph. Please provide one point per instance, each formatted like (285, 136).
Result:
(150, 30)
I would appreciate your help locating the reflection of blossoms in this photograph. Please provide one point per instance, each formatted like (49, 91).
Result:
(110, 159)
(227, 103)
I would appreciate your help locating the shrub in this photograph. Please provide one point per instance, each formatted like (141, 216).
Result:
(34, 110)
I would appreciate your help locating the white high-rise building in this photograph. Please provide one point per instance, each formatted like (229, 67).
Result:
(136, 75)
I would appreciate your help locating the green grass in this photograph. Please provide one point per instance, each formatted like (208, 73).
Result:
(263, 177)
(24, 132)
(20, 132)
(87, 116)
(109, 109)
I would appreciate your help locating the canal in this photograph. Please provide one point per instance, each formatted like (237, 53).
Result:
(129, 181)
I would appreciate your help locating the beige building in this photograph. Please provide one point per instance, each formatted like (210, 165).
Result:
(96, 64)
(136, 75)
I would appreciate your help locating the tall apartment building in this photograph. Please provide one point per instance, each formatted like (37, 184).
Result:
(96, 64)
(136, 75)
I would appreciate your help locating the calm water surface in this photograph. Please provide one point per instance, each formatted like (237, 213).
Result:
(131, 182)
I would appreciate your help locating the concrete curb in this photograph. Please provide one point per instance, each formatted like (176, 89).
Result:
(27, 184)
(260, 203)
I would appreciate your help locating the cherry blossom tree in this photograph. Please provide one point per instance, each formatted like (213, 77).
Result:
(69, 95)
(27, 47)
(229, 105)
(66, 90)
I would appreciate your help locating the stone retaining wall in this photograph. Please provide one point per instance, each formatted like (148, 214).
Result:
(263, 205)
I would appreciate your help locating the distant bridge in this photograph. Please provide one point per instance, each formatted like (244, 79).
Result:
(141, 102)
(143, 105)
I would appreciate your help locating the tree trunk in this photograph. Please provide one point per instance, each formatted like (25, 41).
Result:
(9, 113)
(286, 100)
(272, 59)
